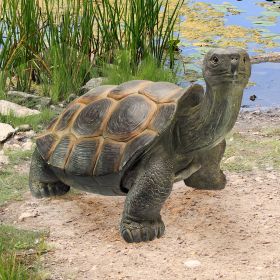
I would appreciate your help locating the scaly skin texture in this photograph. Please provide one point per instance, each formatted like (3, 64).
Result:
(42, 180)
(191, 149)
(209, 176)
(152, 185)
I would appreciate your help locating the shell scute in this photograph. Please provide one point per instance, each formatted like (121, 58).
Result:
(128, 88)
(130, 117)
(95, 94)
(163, 116)
(44, 144)
(109, 158)
(83, 156)
(60, 154)
(89, 121)
(66, 117)
(135, 146)
(162, 92)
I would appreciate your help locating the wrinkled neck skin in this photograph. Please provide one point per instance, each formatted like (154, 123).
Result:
(207, 124)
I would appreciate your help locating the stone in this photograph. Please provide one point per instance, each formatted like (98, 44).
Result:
(7, 108)
(192, 263)
(24, 127)
(56, 109)
(30, 133)
(11, 146)
(233, 159)
(26, 215)
(27, 99)
(6, 131)
(92, 83)
(72, 97)
(27, 146)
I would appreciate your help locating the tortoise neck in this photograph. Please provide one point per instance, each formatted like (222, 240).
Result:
(208, 124)
(225, 101)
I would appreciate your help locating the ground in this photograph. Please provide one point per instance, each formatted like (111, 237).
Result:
(228, 234)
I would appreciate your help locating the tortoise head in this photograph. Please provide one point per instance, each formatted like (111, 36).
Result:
(227, 66)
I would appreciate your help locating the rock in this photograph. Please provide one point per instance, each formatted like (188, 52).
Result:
(192, 263)
(30, 133)
(20, 141)
(253, 97)
(6, 130)
(92, 83)
(26, 215)
(7, 108)
(56, 109)
(27, 99)
(27, 146)
(72, 97)
(233, 159)
(24, 127)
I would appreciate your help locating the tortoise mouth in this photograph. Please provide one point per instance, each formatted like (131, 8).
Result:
(236, 77)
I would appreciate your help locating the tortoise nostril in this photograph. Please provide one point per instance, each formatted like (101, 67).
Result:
(234, 68)
(234, 64)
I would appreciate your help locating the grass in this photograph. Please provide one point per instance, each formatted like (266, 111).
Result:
(35, 121)
(148, 69)
(13, 185)
(250, 153)
(19, 251)
(61, 43)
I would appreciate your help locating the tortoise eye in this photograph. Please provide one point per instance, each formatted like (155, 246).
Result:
(215, 59)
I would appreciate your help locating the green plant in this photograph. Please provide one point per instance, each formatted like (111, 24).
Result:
(10, 269)
(15, 262)
(62, 43)
(148, 69)
(35, 121)
(13, 185)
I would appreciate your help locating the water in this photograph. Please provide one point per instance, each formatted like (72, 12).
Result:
(261, 22)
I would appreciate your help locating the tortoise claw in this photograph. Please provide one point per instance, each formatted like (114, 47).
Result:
(141, 232)
(41, 190)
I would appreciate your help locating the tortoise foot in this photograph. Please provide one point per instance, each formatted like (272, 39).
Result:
(41, 190)
(140, 232)
(207, 181)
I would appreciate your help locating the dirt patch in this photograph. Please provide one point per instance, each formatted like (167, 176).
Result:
(231, 234)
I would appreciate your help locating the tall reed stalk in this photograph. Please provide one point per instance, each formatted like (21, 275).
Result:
(62, 43)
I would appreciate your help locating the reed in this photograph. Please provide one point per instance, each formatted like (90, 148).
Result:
(60, 44)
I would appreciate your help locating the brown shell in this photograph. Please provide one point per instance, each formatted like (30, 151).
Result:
(102, 131)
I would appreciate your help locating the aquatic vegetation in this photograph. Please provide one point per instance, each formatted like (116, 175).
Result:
(205, 26)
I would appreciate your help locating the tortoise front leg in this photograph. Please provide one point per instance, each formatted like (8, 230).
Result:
(141, 219)
(42, 180)
(209, 176)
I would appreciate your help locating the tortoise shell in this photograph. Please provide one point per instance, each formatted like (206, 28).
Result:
(102, 131)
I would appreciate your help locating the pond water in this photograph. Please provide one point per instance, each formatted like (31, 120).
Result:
(251, 24)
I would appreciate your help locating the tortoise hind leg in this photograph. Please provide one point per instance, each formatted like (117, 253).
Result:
(152, 185)
(209, 176)
(42, 180)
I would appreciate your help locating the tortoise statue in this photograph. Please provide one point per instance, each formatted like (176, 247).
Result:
(138, 138)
